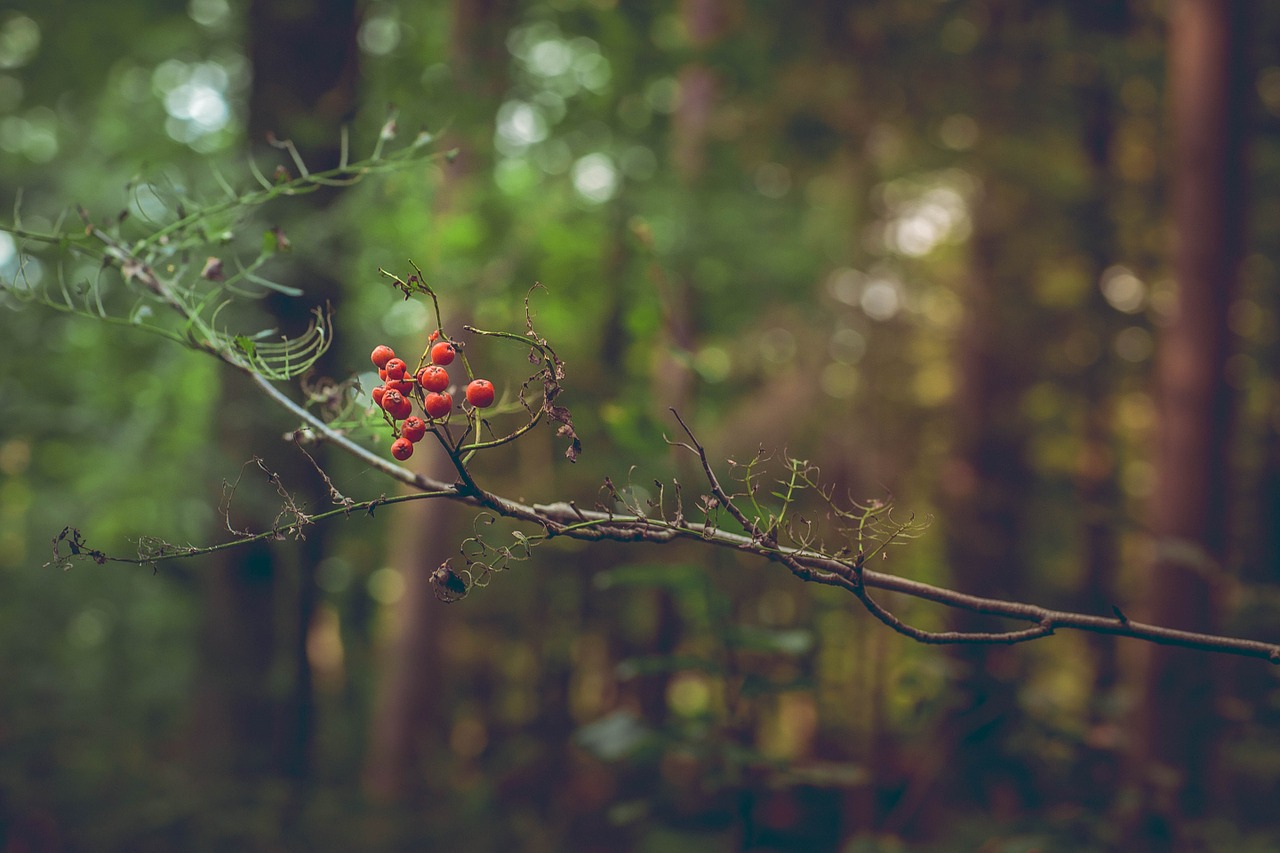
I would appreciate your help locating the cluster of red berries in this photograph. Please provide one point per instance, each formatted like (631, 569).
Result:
(429, 386)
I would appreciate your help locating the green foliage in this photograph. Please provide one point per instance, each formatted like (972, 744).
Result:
(166, 289)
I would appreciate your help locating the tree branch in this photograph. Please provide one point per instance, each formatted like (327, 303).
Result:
(566, 519)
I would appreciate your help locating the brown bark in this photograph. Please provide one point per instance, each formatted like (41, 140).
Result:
(1178, 731)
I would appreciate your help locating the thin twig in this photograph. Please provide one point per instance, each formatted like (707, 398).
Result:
(566, 519)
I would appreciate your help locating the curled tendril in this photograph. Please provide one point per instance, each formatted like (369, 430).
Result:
(484, 558)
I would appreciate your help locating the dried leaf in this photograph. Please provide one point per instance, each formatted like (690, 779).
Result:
(212, 270)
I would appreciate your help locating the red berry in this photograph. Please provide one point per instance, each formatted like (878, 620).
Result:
(404, 386)
(396, 368)
(397, 405)
(442, 353)
(402, 448)
(413, 428)
(382, 374)
(381, 355)
(438, 405)
(433, 377)
(377, 395)
(480, 393)
(435, 336)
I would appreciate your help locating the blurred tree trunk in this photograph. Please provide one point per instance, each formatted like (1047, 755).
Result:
(673, 378)
(1178, 724)
(704, 22)
(410, 720)
(987, 482)
(1096, 470)
(1101, 24)
(260, 599)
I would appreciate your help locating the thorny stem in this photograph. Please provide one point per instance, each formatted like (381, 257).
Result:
(295, 528)
(566, 519)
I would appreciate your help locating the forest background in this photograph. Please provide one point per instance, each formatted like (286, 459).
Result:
(937, 249)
